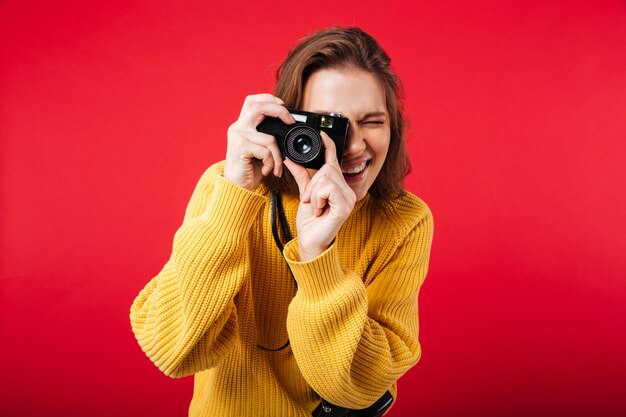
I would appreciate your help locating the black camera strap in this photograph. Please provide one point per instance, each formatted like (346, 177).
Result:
(276, 207)
(324, 409)
(277, 210)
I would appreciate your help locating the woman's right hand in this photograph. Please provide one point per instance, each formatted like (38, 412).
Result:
(250, 154)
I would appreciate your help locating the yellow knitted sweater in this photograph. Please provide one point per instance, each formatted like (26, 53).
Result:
(352, 321)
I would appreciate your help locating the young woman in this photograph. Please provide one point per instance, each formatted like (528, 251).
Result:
(329, 323)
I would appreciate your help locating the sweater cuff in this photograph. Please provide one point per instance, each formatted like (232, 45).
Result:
(233, 209)
(318, 277)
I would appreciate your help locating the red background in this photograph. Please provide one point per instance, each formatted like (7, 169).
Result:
(110, 111)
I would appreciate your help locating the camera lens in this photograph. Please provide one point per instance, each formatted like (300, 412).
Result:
(302, 144)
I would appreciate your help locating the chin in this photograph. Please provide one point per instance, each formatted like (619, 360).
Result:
(360, 193)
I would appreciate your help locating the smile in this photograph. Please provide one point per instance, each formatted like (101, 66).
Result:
(354, 170)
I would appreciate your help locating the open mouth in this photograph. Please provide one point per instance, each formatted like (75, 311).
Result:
(355, 173)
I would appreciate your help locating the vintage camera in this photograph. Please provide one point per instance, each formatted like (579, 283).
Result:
(301, 142)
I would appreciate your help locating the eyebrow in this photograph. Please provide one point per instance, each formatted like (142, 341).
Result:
(373, 114)
(365, 116)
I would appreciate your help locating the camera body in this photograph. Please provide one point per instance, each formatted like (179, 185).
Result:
(301, 142)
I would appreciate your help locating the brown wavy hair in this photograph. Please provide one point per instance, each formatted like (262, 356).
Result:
(347, 48)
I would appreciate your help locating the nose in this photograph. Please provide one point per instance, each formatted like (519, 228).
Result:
(355, 142)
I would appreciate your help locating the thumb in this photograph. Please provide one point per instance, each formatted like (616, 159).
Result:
(330, 150)
(300, 174)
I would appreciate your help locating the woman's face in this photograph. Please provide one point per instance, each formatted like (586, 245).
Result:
(358, 96)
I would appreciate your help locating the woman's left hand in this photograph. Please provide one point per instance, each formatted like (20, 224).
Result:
(326, 201)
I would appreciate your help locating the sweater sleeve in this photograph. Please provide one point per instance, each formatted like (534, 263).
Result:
(353, 342)
(185, 318)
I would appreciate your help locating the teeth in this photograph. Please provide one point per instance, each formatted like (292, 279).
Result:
(354, 170)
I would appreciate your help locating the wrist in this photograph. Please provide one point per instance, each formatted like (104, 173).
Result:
(239, 181)
(308, 255)
(308, 252)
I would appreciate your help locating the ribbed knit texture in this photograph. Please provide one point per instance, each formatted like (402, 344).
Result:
(352, 323)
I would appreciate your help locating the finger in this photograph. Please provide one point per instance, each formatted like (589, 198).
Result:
(269, 142)
(262, 154)
(332, 173)
(318, 191)
(259, 110)
(300, 174)
(239, 136)
(255, 98)
(342, 194)
(317, 177)
(326, 194)
(320, 197)
(330, 150)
